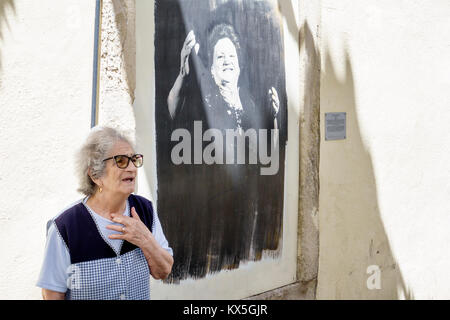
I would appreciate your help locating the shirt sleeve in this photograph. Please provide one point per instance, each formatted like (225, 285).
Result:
(54, 271)
(159, 234)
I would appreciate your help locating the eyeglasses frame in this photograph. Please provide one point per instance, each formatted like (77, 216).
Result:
(129, 159)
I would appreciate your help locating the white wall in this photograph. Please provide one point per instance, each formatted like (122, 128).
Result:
(384, 190)
(46, 50)
(250, 278)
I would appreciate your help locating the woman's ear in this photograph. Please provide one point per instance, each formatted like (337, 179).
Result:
(96, 181)
(90, 174)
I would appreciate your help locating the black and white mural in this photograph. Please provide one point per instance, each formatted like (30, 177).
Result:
(221, 128)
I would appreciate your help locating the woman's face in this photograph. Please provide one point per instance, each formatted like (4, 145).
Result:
(115, 180)
(225, 66)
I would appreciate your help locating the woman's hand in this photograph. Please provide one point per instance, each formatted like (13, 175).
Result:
(133, 230)
(275, 101)
(189, 43)
(136, 232)
(174, 99)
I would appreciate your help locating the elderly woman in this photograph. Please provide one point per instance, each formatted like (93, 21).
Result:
(105, 246)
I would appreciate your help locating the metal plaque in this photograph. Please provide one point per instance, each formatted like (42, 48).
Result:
(335, 126)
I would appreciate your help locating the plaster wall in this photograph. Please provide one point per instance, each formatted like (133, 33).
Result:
(46, 50)
(308, 199)
(384, 190)
(117, 72)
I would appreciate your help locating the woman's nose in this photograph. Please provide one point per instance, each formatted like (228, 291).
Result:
(226, 60)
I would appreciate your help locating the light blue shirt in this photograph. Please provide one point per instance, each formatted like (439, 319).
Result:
(102, 222)
(56, 267)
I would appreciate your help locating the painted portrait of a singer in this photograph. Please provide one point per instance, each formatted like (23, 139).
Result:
(223, 96)
(224, 198)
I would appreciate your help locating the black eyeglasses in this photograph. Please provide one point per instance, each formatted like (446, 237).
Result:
(122, 161)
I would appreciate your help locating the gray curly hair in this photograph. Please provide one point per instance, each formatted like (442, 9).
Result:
(98, 144)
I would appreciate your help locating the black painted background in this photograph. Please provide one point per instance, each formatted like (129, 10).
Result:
(208, 216)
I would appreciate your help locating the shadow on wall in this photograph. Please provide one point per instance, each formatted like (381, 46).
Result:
(353, 240)
(352, 233)
(5, 5)
(352, 236)
(308, 231)
(309, 120)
